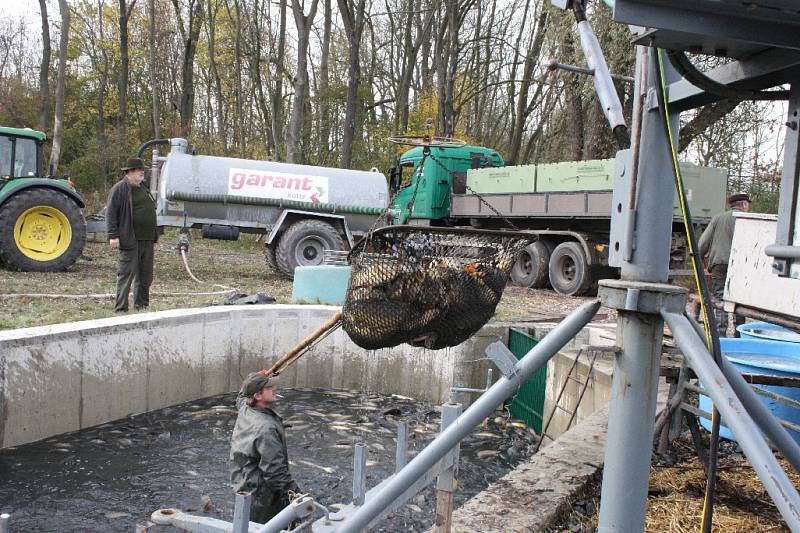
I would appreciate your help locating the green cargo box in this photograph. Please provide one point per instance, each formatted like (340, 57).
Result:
(705, 186)
(595, 175)
(520, 178)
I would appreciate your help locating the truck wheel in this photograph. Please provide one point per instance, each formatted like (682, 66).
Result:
(530, 269)
(569, 269)
(41, 230)
(302, 245)
(269, 256)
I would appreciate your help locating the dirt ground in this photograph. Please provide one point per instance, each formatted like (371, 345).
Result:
(85, 291)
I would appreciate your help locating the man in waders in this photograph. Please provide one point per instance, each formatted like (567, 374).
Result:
(258, 449)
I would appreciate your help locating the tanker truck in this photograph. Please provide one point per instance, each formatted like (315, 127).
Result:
(567, 205)
(301, 209)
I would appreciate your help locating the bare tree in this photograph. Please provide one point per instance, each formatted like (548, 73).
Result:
(277, 94)
(44, 69)
(190, 34)
(63, 42)
(354, 17)
(154, 91)
(124, 67)
(303, 23)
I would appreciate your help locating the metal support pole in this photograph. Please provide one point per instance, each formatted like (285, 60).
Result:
(474, 415)
(401, 455)
(775, 480)
(767, 422)
(296, 510)
(241, 512)
(446, 483)
(359, 473)
(5, 520)
(634, 385)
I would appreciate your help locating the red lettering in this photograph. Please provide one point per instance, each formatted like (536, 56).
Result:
(237, 180)
(306, 184)
(294, 183)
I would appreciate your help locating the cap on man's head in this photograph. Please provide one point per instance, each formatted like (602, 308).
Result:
(738, 197)
(133, 163)
(255, 381)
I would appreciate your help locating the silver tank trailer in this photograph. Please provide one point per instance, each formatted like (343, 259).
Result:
(269, 197)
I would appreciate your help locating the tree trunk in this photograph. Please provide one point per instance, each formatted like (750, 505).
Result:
(103, 156)
(294, 131)
(154, 91)
(58, 126)
(324, 82)
(44, 70)
(217, 81)
(277, 95)
(354, 26)
(124, 60)
(523, 107)
(190, 36)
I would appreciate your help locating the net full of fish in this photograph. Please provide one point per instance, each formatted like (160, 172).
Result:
(426, 287)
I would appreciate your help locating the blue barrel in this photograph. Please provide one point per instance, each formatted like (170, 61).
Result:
(768, 332)
(771, 358)
(320, 284)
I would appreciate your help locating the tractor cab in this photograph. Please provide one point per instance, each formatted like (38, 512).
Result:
(20, 153)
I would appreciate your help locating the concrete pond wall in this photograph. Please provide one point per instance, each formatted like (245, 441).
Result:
(64, 377)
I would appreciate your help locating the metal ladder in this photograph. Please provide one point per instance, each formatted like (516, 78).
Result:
(582, 384)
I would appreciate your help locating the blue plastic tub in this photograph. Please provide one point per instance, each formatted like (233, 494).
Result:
(322, 284)
(771, 358)
(768, 332)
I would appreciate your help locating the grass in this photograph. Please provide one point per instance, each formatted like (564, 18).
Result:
(236, 264)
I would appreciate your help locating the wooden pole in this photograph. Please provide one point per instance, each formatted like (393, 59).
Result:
(305, 343)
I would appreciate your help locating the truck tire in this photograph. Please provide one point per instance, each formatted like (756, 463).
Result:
(530, 269)
(41, 230)
(302, 245)
(569, 269)
(269, 256)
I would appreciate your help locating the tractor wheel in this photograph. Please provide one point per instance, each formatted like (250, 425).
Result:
(569, 269)
(41, 230)
(302, 245)
(530, 269)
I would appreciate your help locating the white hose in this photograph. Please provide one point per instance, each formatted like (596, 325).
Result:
(189, 271)
(104, 296)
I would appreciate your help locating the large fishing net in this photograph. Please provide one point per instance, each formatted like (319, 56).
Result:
(426, 286)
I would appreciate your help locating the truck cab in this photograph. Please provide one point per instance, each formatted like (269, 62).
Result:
(424, 182)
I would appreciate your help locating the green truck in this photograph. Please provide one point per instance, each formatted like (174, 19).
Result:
(568, 205)
(42, 228)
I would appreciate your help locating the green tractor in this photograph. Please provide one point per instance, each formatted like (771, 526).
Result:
(42, 228)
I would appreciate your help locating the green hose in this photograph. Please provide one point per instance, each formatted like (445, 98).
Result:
(276, 202)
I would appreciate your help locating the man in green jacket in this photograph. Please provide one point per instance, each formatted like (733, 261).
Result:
(715, 249)
(258, 449)
(131, 220)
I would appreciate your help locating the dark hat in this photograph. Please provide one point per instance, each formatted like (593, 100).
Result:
(255, 381)
(738, 197)
(132, 163)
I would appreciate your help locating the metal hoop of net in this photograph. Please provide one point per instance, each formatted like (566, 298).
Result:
(428, 287)
(427, 140)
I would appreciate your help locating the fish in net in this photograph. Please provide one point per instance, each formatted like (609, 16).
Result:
(426, 287)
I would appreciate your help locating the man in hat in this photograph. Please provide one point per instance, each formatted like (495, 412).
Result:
(258, 449)
(131, 220)
(715, 249)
